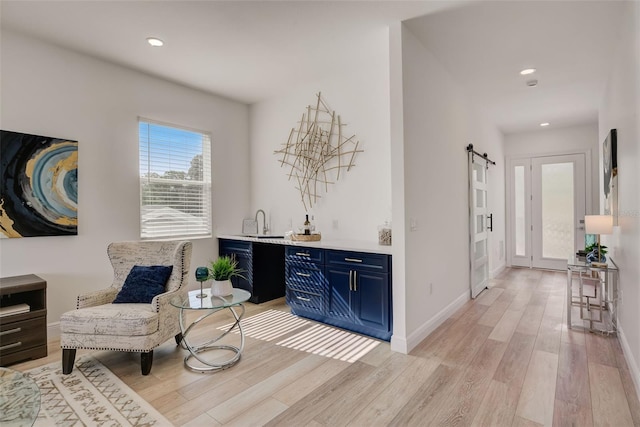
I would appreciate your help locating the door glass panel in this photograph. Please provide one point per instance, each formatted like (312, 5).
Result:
(480, 198)
(478, 172)
(557, 210)
(480, 274)
(481, 249)
(479, 223)
(519, 210)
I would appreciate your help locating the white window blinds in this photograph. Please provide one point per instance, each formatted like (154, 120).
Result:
(175, 181)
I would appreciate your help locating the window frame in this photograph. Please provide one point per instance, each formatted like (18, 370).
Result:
(179, 229)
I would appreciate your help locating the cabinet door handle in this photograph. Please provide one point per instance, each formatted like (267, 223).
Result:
(303, 299)
(353, 260)
(350, 280)
(10, 331)
(355, 280)
(302, 254)
(8, 346)
(303, 274)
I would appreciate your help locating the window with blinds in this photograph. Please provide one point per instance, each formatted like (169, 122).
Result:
(175, 181)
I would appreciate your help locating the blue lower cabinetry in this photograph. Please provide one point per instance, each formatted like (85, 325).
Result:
(262, 268)
(351, 290)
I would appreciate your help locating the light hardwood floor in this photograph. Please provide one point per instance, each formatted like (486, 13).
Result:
(504, 359)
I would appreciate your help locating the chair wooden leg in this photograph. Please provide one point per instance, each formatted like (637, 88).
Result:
(146, 360)
(68, 359)
(178, 338)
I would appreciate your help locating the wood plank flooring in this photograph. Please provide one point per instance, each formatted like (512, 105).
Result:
(504, 359)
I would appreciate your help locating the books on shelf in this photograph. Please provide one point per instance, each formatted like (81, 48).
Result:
(14, 309)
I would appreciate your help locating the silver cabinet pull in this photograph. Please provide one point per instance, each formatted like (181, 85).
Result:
(8, 346)
(303, 274)
(355, 280)
(352, 260)
(10, 331)
(302, 254)
(303, 299)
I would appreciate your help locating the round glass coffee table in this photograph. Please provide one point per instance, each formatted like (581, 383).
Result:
(209, 305)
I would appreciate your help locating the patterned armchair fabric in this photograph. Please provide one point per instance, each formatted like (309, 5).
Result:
(100, 325)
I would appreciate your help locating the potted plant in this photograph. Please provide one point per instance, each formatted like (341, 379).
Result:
(221, 271)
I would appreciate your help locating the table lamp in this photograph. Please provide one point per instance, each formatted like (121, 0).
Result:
(598, 224)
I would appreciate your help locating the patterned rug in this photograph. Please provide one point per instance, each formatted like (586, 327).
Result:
(90, 396)
(312, 337)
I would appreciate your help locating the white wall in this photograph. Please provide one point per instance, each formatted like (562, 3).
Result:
(438, 123)
(620, 110)
(50, 91)
(550, 141)
(361, 199)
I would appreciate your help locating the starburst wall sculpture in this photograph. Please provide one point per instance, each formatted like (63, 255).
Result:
(317, 151)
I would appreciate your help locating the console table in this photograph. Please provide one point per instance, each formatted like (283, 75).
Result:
(23, 318)
(600, 298)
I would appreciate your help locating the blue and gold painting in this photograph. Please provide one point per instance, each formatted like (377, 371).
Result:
(38, 185)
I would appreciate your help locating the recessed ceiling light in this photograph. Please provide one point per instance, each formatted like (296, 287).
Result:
(155, 42)
(527, 71)
(544, 124)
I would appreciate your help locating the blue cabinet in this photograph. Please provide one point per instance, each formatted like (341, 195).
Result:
(304, 272)
(359, 292)
(348, 289)
(262, 266)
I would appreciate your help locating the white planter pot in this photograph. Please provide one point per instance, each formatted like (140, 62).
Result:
(221, 288)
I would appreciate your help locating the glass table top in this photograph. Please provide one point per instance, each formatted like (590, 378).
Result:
(575, 262)
(193, 302)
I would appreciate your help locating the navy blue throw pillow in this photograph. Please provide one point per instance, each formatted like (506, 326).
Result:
(143, 283)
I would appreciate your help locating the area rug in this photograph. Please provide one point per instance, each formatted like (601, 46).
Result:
(90, 396)
(312, 337)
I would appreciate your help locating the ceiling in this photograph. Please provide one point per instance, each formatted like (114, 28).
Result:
(253, 50)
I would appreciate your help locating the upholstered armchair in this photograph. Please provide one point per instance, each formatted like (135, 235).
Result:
(102, 322)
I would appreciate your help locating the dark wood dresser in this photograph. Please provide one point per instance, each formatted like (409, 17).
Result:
(23, 318)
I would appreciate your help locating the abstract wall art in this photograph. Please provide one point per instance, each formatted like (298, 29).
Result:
(38, 185)
(610, 173)
(318, 151)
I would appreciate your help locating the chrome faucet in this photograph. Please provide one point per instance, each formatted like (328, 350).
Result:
(264, 222)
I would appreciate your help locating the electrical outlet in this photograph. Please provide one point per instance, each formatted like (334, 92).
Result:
(430, 288)
(413, 224)
(335, 224)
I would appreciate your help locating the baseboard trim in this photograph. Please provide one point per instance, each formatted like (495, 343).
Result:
(399, 345)
(430, 325)
(497, 271)
(634, 369)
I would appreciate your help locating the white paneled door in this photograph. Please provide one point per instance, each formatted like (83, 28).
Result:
(547, 208)
(479, 221)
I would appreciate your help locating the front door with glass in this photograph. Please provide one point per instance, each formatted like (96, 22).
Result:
(547, 208)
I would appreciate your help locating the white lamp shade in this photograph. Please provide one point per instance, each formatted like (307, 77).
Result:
(598, 224)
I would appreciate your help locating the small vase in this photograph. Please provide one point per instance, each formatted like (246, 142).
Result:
(593, 256)
(221, 288)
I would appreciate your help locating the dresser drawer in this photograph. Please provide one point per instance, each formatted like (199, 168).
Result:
(18, 336)
(305, 300)
(359, 260)
(302, 254)
(305, 278)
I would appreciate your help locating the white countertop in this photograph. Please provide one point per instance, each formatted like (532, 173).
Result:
(344, 245)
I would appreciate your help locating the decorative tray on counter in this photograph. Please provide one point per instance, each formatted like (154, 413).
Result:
(306, 237)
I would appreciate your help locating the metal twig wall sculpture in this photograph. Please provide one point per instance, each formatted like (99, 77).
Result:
(318, 151)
